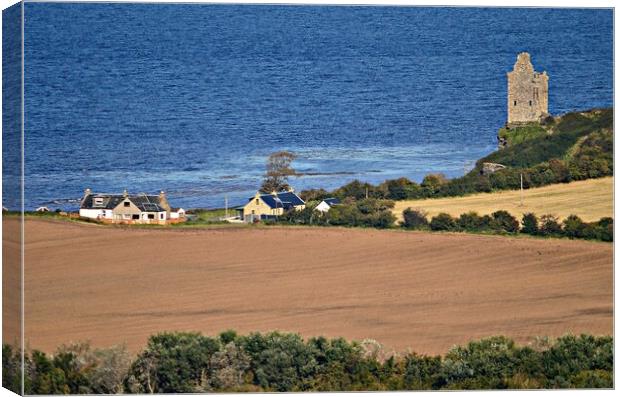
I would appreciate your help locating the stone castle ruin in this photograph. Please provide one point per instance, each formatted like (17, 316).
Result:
(527, 92)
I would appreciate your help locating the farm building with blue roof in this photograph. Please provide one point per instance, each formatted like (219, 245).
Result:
(270, 205)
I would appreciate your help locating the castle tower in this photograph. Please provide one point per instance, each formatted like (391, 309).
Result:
(527, 92)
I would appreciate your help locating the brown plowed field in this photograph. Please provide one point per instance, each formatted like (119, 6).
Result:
(412, 290)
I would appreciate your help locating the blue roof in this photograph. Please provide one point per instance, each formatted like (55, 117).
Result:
(331, 201)
(284, 200)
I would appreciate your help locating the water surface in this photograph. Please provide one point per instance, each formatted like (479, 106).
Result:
(193, 98)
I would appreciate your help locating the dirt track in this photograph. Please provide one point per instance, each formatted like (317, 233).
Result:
(421, 291)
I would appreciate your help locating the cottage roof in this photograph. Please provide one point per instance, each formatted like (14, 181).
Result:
(331, 201)
(284, 200)
(145, 203)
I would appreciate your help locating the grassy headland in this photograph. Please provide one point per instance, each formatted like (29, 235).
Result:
(574, 147)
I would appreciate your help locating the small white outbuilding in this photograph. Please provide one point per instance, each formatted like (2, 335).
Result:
(327, 204)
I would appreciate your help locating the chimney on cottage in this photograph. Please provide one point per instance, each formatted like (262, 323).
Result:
(163, 201)
(125, 194)
(87, 192)
(290, 189)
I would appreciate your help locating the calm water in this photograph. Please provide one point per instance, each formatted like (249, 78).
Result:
(192, 98)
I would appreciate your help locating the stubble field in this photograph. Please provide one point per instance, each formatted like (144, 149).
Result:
(591, 200)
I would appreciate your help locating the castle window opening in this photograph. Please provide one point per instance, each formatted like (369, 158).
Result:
(530, 103)
(515, 103)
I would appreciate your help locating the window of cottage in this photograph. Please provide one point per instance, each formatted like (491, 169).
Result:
(151, 216)
(126, 203)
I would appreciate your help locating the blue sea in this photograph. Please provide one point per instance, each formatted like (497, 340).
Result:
(191, 99)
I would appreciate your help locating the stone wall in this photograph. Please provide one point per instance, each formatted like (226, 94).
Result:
(527, 92)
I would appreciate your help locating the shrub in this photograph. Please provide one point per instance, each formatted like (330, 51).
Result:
(560, 170)
(11, 368)
(605, 229)
(414, 219)
(382, 219)
(432, 183)
(549, 226)
(530, 224)
(592, 379)
(443, 221)
(504, 222)
(483, 364)
(570, 355)
(421, 372)
(473, 222)
(574, 227)
(279, 362)
(401, 189)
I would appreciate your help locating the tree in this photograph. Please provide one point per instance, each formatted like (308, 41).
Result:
(473, 222)
(173, 363)
(530, 223)
(443, 221)
(278, 169)
(401, 189)
(11, 368)
(108, 375)
(604, 229)
(432, 183)
(549, 226)
(574, 227)
(504, 222)
(228, 367)
(414, 219)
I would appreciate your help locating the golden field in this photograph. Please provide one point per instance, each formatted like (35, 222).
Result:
(591, 200)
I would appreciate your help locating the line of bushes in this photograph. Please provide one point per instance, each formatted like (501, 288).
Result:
(502, 222)
(193, 363)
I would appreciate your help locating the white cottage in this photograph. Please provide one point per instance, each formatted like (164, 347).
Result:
(327, 204)
(126, 208)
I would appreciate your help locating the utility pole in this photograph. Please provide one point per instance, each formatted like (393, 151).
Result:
(521, 192)
(226, 206)
(366, 192)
